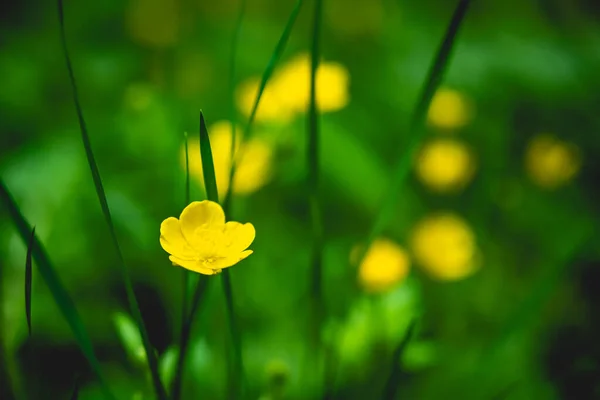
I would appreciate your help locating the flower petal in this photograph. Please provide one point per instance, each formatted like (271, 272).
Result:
(201, 214)
(230, 261)
(172, 240)
(238, 236)
(192, 265)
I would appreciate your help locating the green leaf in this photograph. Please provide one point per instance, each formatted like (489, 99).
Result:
(415, 127)
(133, 304)
(275, 57)
(130, 336)
(48, 273)
(208, 167)
(28, 277)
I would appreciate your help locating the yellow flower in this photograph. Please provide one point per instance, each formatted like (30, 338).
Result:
(293, 84)
(384, 265)
(551, 162)
(445, 165)
(444, 246)
(289, 90)
(201, 241)
(449, 110)
(254, 161)
(270, 107)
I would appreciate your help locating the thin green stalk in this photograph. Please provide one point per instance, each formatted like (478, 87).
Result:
(186, 331)
(186, 273)
(312, 155)
(237, 372)
(61, 297)
(236, 377)
(232, 120)
(124, 269)
(391, 386)
(186, 321)
(415, 127)
(268, 72)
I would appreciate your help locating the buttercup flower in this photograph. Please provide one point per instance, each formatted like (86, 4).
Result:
(444, 245)
(288, 92)
(445, 165)
(201, 241)
(384, 265)
(449, 109)
(254, 161)
(551, 162)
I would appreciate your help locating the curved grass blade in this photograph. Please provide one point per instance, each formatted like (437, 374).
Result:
(232, 61)
(28, 278)
(268, 72)
(391, 385)
(48, 273)
(415, 128)
(133, 304)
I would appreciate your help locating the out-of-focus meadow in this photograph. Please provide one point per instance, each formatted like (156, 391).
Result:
(492, 245)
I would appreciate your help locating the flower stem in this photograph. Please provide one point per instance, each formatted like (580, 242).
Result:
(184, 337)
(237, 370)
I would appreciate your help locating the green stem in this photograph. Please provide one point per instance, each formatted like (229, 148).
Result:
(312, 154)
(185, 334)
(236, 378)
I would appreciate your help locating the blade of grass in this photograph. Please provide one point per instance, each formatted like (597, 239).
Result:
(210, 183)
(415, 127)
(232, 61)
(208, 166)
(48, 273)
(391, 386)
(133, 304)
(28, 278)
(312, 159)
(268, 72)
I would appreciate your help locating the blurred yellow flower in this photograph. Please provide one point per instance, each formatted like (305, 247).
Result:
(270, 108)
(254, 160)
(153, 23)
(289, 90)
(449, 109)
(385, 264)
(551, 162)
(201, 241)
(445, 165)
(444, 245)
